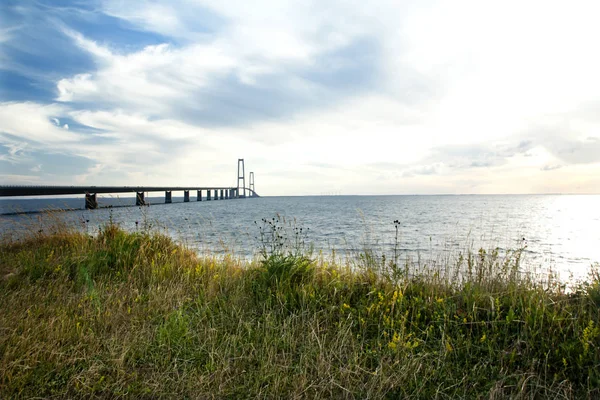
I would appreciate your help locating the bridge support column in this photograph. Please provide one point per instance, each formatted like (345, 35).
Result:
(226, 194)
(168, 197)
(208, 194)
(222, 194)
(91, 203)
(139, 199)
(186, 196)
(199, 196)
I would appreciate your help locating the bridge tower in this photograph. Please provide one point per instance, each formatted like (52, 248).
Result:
(251, 183)
(241, 177)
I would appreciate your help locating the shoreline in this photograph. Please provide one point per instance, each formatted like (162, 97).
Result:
(135, 314)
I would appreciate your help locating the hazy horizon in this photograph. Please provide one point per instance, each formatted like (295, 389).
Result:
(378, 98)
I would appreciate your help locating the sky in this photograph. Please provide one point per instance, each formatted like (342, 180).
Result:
(318, 97)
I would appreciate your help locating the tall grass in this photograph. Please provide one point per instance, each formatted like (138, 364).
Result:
(118, 314)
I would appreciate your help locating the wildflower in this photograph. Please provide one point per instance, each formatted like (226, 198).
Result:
(590, 333)
(483, 338)
(449, 347)
(346, 306)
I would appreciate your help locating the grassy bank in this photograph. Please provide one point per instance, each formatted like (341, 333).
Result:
(134, 314)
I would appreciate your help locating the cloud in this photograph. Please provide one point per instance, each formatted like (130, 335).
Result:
(478, 155)
(17, 179)
(571, 140)
(366, 97)
(242, 64)
(550, 167)
(80, 84)
(212, 85)
(421, 170)
(12, 152)
(32, 121)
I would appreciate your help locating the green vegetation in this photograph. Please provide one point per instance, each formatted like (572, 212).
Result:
(135, 315)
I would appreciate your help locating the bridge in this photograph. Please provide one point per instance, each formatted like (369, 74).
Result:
(91, 192)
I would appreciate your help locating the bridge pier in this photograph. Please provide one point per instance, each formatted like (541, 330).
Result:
(226, 194)
(208, 194)
(222, 194)
(186, 196)
(91, 203)
(199, 195)
(168, 197)
(139, 199)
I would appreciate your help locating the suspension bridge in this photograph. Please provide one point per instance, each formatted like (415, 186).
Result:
(91, 192)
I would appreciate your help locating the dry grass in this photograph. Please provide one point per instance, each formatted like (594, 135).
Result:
(135, 315)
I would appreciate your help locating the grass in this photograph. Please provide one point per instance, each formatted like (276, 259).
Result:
(136, 315)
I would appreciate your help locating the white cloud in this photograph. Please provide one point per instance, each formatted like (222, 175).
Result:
(17, 179)
(413, 97)
(80, 85)
(32, 121)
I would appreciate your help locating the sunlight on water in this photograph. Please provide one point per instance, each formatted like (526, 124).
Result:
(561, 232)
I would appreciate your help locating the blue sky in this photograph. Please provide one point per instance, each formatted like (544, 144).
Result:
(348, 97)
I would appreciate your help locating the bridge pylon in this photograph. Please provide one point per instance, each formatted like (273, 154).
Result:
(251, 183)
(241, 177)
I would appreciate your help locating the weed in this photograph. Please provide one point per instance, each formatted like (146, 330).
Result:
(118, 314)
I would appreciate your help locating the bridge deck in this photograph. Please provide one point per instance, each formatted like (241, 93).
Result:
(7, 191)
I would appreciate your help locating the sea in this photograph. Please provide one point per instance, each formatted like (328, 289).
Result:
(559, 233)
